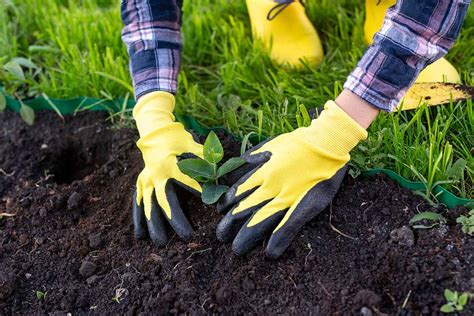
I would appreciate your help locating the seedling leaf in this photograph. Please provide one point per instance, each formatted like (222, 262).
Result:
(245, 142)
(457, 169)
(212, 192)
(15, 69)
(196, 168)
(449, 295)
(41, 295)
(27, 114)
(230, 165)
(447, 308)
(24, 62)
(213, 151)
(3, 103)
(463, 299)
(428, 216)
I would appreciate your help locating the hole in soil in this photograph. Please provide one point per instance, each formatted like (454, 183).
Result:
(73, 161)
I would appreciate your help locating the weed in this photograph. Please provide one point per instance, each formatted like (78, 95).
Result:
(119, 294)
(430, 218)
(17, 74)
(467, 222)
(41, 296)
(207, 171)
(455, 302)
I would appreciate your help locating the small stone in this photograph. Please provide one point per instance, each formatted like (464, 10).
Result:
(166, 288)
(28, 275)
(267, 302)
(223, 294)
(43, 212)
(367, 298)
(403, 236)
(113, 173)
(23, 239)
(248, 285)
(95, 241)
(74, 201)
(364, 311)
(87, 268)
(92, 279)
(25, 202)
(8, 281)
(156, 258)
(386, 211)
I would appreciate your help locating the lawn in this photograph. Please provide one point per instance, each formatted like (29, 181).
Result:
(228, 80)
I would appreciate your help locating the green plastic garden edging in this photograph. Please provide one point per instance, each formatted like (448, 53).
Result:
(71, 106)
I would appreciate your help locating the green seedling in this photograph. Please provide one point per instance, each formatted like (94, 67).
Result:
(16, 74)
(455, 301)
(206, 170)
(116, 299)
(467, 223)
(426, 220)
(41, 296)
(119, 294)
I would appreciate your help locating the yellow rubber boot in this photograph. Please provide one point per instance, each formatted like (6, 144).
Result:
(439, 71)
(286, 31)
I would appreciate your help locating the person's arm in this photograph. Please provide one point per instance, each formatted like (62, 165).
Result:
(414, 34)
(153, 39)
(293, 177)
(152, 36)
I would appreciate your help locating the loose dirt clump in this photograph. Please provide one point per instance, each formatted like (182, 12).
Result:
(70, 186)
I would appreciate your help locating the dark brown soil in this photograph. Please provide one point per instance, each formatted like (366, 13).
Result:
(70, 186)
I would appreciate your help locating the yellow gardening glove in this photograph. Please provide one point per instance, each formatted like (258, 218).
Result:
(162, 141)
(292, 178)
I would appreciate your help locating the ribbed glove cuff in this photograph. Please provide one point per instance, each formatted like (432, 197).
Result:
(335, 131)
(154, 110)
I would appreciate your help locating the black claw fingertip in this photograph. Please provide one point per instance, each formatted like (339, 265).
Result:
(272, 253)
(178, 221)
(156, 224)
(139, 219)
(277, 244)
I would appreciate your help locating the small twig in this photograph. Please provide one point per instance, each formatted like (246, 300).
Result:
(169, 242)
(8, 175)
(310, 251)
(294, 283)
(199, 251)
(405, 302)
(394, 302)
(368, 208)
(7, 214)
(334, 228)
(203, 303)
(324, 289)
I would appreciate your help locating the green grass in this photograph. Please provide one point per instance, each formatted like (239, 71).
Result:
(228, 80)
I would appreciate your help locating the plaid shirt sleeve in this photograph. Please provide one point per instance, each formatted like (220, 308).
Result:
(414, 34)
(153, 39)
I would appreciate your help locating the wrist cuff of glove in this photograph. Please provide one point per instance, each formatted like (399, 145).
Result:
(341, 133)
(154, 110)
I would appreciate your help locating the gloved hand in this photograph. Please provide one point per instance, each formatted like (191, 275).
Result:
(292, 178)
(162, 141)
